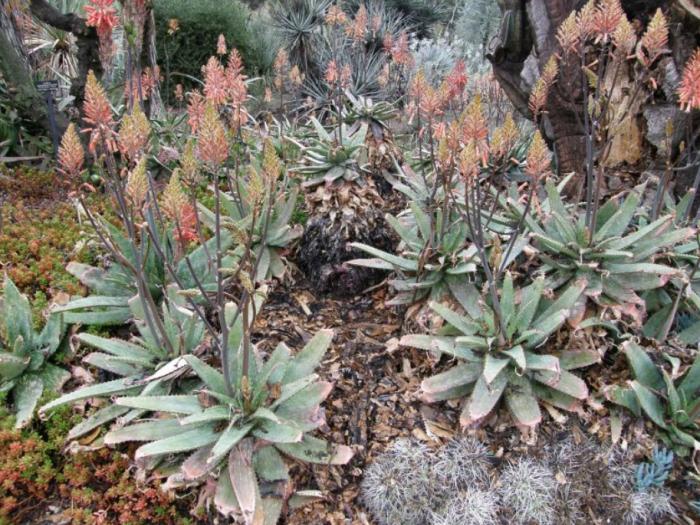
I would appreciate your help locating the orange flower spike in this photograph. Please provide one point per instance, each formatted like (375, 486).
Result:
(538, 97)
(654, 41)
(174, 200)
(345, 76)
(457, 79)
(137, 185)
(538, 158)
(134, 134)
(475, 129)
(71, 156)
(550, 71)
(624, 37)
(607, 18)
(585, 21)
(235, 80)
(335, 16)
(689, 90)
(212, 144)
(400, 51)
(331, 76)
(221, 46)
(102, 16)
(98, 114)
(195, 110)
(214, 82)
(358, 28)
(567, 34)
(469, 163)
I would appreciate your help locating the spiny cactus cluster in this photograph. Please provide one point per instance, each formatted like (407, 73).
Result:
(459, 484)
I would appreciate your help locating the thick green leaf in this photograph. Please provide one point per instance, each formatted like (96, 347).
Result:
(643, 368)
(26, 394)
(522, 403)
(269, 464)
(459, 375)
(184, 441)
(483, 398)
(122, 385)
(306, 361)
(145, 431)
(97, 419)
(229, 439)
(243, 480)
(12, 366)
(314, 450)
(651, 405)
(178, 404)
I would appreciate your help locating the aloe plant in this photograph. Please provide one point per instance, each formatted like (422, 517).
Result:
(511, 365)
(668, 400)
(617, 260)
(143, 366)
(112, 288)
(240, 440)
(25, 370)
(272, 233)
(425, 274)
(330, 157)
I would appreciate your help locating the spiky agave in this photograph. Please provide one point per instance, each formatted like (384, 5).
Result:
(511, 365)
(25, 370)
(238, 435)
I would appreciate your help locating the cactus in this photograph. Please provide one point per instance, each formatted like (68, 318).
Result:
(528, 490)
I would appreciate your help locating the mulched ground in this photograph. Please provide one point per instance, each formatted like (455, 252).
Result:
(376, 398)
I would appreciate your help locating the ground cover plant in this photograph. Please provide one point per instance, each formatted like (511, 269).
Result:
(328, 268)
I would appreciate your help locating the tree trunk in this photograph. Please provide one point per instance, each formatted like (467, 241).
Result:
(528, 39)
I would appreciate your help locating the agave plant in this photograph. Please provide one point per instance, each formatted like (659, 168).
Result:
(512, 365)
(669, 400)
(25, 370)
(114, 287)
(333, 156)
(146, 365)
(272, 233)
(617, 260)
(237, 434)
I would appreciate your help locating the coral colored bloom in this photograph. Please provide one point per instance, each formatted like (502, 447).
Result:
(335, 16)
(195, 110)
(98, 114)
(607, 18)
(221, 45)
(457, 79)
(654, 40)
(358, 29)
(101, 15)
(70, 155)
(215, 82)
(689, 90)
